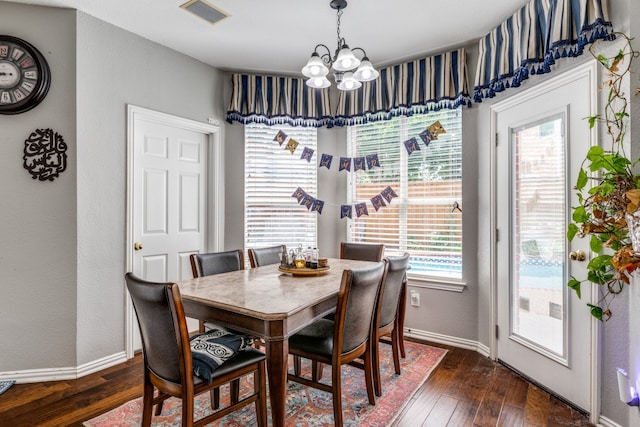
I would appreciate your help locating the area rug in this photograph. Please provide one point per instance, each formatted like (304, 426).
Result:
(308, 407)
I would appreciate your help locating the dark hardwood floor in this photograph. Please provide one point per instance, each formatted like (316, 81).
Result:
(467, 389)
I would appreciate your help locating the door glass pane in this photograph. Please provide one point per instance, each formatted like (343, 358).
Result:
(538, 248)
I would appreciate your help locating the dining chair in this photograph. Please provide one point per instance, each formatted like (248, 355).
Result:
(266, 256)
(361, 251)
(170, 356)
(389, 316)
(355, 251)
(349, 336)
(215, 263)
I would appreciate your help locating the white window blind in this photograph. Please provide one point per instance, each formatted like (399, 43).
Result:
(272, 174)
(422, 220)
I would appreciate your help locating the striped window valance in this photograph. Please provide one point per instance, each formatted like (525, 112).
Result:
(278, 100)
(532, 39)
(415, 87)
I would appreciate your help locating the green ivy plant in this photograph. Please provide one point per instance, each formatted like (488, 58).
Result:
(614, 193)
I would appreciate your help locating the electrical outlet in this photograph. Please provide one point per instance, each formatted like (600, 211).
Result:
(415, 299)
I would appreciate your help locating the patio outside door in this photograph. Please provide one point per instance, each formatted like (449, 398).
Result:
(543, 330)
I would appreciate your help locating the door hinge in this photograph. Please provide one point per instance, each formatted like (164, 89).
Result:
(497, 331)
(496, 139)
(497, 235)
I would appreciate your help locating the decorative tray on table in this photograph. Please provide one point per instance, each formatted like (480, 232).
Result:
(304, 271)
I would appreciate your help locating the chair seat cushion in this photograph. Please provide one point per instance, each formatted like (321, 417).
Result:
(316, 338)
(211, 349)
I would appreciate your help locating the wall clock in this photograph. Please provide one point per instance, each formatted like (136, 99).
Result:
(24, 76)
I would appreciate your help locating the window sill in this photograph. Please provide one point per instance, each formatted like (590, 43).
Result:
(439, 283)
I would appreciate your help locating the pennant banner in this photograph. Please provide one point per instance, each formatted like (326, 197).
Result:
(346, 211)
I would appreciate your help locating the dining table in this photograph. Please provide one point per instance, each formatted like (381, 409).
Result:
(268, 303)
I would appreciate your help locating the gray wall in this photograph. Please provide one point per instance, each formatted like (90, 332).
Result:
(116, 68)
(38, 226)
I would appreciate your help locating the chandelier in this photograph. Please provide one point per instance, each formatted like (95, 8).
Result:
(348, 71)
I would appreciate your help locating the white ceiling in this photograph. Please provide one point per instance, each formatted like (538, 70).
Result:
(278, 36)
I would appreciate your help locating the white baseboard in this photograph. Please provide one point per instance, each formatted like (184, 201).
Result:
(57, 374)
(606, 422)
(448, 340)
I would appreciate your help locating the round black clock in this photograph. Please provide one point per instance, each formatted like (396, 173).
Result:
(24, 76)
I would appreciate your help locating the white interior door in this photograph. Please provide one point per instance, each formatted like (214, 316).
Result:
(169, 203)
(543, 330)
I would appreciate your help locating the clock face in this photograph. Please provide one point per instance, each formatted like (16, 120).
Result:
(24, 76)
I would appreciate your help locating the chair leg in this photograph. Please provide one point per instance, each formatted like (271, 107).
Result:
(368, 376)
(260, 388)
(316, 371)
(147, 402)
(215, 398)
(187, 411)
(296, 365)
(234, 390)
(375, 362)
(400, 319)
(158, 410)
(395, 347)
(336, 386)
(201, 326)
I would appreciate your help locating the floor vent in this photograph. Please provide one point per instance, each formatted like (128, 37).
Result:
(204, 10)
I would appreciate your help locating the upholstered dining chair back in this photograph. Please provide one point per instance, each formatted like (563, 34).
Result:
(396, 277)
(361, 251)
(155, 309)
(168, 360)
(357, 304)
(265, 256)
(216, 262)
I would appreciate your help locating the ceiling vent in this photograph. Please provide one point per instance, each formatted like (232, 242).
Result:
(204, 10)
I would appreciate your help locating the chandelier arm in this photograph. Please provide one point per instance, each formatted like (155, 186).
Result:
(325, 56)
(364, 54)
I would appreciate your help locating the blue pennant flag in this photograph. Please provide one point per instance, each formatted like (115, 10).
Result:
(299, 194)
(326, 161)
(361, 209)
(307, 154)
(345, 163)
(346, 211)
(307, 201)
(280, 137)
(377, 202)
(358, 163)
(372, 161)
(388, 194)
(411, 145)
(317, 206)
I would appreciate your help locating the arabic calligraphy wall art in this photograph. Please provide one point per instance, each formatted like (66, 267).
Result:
(45, 154)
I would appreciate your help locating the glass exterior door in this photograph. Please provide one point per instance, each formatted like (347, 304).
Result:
(538, 276)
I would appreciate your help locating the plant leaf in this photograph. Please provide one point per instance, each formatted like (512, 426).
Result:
(595, 244)
(575, 285)
(572, 230)
(580, 215)
(596, 311)
(582, 180)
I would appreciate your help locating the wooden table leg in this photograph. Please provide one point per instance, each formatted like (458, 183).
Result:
(277, 353)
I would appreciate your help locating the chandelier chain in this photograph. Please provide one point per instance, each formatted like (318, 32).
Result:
(339, 15)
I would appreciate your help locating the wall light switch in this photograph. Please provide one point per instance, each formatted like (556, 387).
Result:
(415, 299)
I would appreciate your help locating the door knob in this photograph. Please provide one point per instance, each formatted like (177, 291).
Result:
(137, 246)
(577, 255)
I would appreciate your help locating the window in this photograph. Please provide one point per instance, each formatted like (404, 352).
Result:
(272, 174)
(423, 220)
